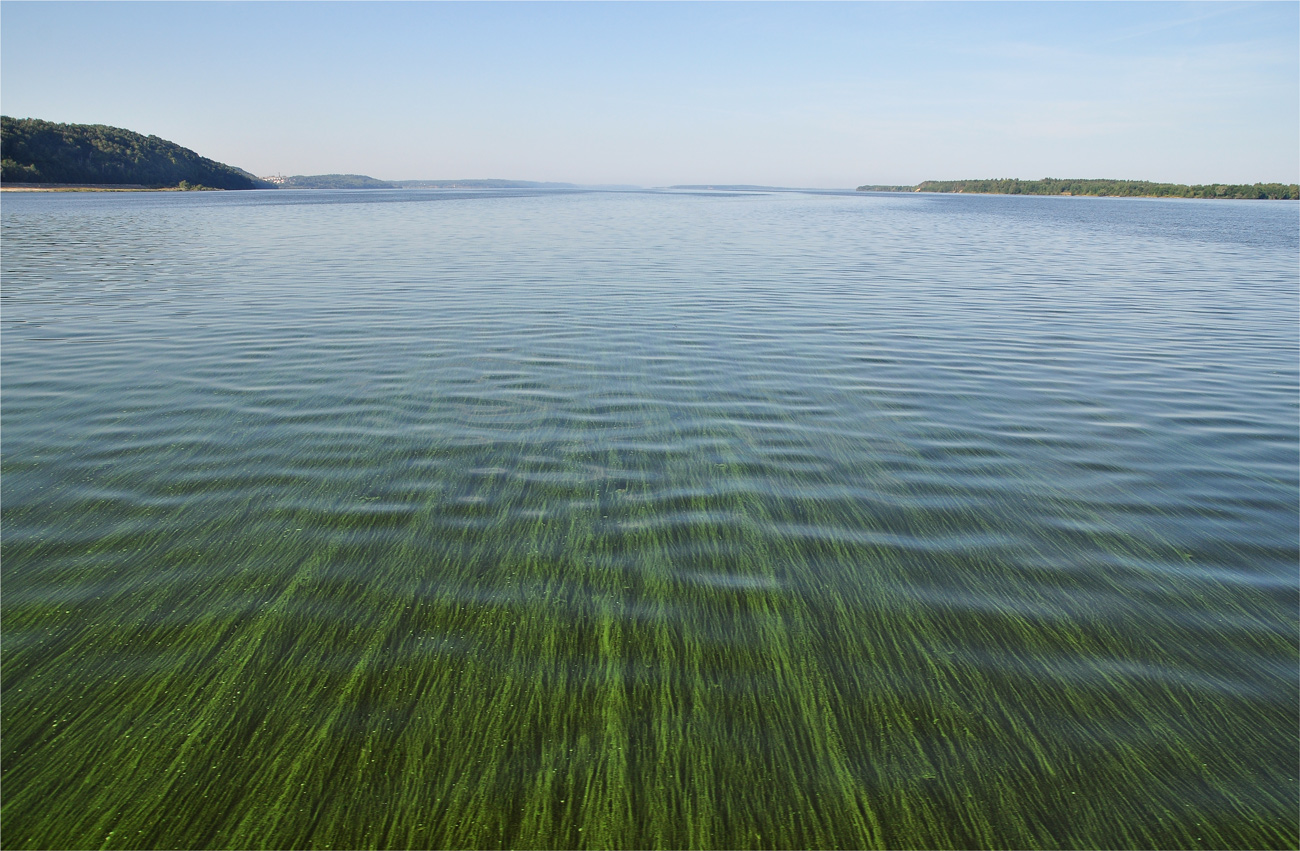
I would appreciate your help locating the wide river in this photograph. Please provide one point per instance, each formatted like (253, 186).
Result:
(405, 519)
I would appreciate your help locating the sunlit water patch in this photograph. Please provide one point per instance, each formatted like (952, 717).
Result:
(437, 519)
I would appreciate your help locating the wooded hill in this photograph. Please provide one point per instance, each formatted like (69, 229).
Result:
(35, 151)
(334, 181)
(1114, 188)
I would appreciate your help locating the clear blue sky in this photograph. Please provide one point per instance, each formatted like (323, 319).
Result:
(803, 94)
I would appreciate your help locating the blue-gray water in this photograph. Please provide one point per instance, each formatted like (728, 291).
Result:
(493, 519)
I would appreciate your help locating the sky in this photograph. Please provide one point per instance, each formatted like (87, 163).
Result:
(830, 95)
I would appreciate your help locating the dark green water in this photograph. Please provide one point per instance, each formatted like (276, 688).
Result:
(416, 519)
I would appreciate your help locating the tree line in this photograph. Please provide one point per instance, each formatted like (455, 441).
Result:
(35, 151)
(1110, 188)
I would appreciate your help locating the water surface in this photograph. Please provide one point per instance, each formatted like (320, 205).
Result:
(519, 519)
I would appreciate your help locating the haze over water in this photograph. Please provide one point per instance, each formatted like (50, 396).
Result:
(649, 519)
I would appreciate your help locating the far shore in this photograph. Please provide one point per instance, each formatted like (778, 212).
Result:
(83, 187)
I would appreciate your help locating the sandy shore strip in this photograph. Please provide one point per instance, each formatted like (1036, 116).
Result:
(82, 187)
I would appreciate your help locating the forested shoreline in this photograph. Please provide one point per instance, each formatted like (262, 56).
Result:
(1101, 188)
(33, 151)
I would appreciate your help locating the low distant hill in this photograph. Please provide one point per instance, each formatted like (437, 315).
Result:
(332, 181)
(35, 151)
(480, 184)
(1110, 188)
(733, 187)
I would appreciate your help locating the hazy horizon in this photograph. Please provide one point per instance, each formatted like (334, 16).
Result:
(807, 95)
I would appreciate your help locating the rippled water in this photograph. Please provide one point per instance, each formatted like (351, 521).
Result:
(411, 519)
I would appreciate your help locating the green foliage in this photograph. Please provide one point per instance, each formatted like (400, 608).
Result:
(1112, 188)
(38, 151)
